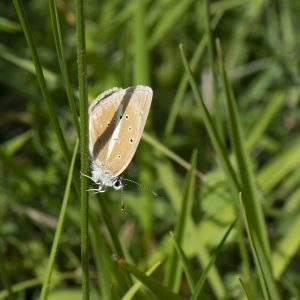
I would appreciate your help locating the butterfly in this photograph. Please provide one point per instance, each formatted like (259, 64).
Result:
(116, 122)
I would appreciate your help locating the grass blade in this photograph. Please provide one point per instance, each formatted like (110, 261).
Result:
(261, 261)
(81, 60)
(186, 264)
(212, 67)
(199, 285)
(62, 61)
(141, 63)
(213, 134)
(167, 152)
(156, 288)
(252, 204)
(246, 289)
(60, 222)
(166, 22)
(173, 273)
(134, 289)
(40, 76)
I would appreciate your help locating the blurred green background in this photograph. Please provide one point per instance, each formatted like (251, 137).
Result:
(137, 42)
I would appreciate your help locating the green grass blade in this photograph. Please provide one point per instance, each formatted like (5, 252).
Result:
(7, 25)
(83, 108)
(134, 289)
(168, 153)
(173, 273)
(280, 165)
(167, 21)
(212, 68)
(117, 248)
(184, 82)
(252, 202)
(262, 263)
(155, 287)
(197, 291)
(60, 222)
(213, 134)
(39, 73)
(246, 289)
(141, 60)
(108, 275)
(274, 105)
(188, 271)
(55, 22)
(31, 283)
(286, 248)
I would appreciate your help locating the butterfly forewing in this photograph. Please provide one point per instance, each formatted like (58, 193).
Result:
(116, 124)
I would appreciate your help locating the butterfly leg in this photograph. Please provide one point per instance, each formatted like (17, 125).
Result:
(87, 176)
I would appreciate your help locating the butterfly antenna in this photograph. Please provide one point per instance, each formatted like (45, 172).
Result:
(122, 200)
(142, 186)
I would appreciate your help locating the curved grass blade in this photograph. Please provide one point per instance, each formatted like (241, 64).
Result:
(155, 287)
(199, 285)
(60, 222)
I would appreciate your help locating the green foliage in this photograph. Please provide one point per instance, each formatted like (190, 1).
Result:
(228, 97)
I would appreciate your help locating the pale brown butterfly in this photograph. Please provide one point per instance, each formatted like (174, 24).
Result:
(116, 122)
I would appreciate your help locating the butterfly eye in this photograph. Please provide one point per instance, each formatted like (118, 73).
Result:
(118, 184)
(121, 117)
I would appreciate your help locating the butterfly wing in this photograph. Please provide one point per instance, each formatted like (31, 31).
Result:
(116, 123)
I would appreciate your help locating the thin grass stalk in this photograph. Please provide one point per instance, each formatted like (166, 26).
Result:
(213, 71)
(42, 83)
(60, 222)
(62, 61)
(83, 108)
(141, 62)
(41, 79)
